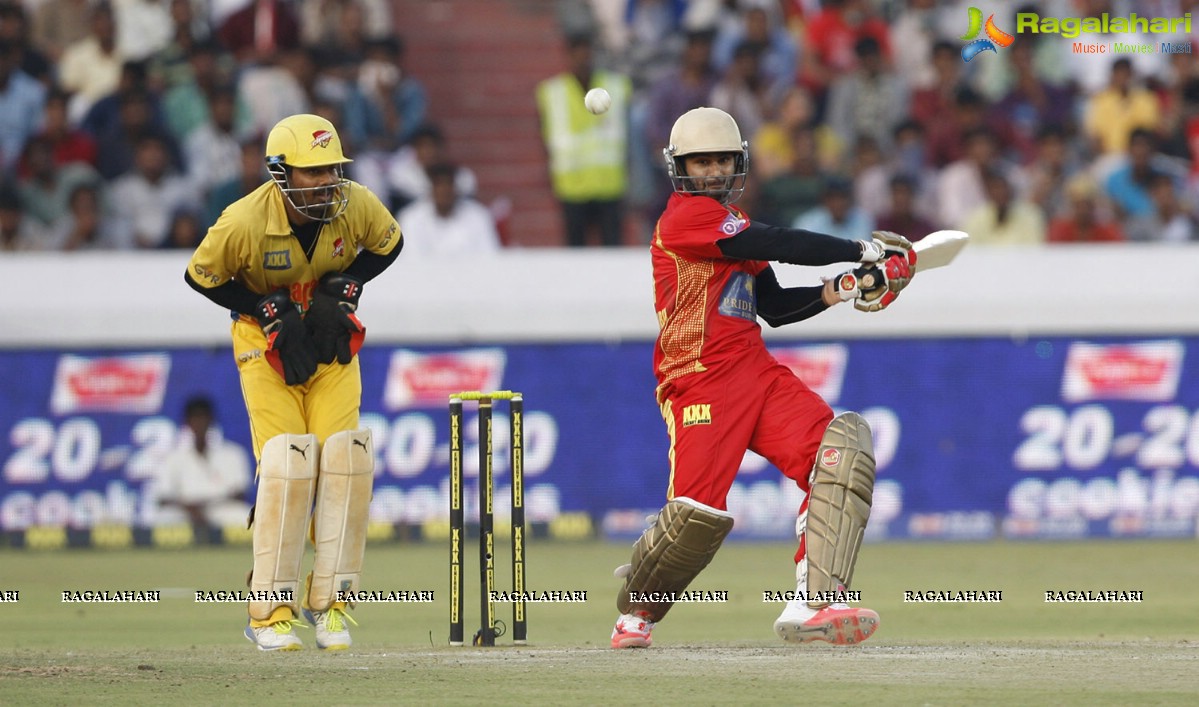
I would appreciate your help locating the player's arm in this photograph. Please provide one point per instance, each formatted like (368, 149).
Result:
(760, 241)
(231, 295)
(367, 266)
(778, 305)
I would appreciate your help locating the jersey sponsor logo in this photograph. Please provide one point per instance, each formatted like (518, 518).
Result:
(203, 274)
(830, 457)
(276, 260)
(699, 414)
(733, 224)
(249, 355)
(1148, 370)
(131, 384)
(321, 138)
(339, 247)
(738, 299)
(426, 380)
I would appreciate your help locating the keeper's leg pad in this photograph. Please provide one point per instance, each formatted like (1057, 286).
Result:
(341, 516)
(671, 553)
(839, 504)
(286, 479)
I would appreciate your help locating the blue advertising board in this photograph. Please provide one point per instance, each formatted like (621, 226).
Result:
(974, 437)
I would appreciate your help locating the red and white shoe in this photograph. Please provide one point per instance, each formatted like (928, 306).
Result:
(839, 624)
(632, 631)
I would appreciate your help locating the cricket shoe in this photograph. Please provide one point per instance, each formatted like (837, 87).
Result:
(332, 634)
(839, 624)
(279, 636)
(632, 631)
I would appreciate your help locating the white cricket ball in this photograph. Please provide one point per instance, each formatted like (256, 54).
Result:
(597, 101)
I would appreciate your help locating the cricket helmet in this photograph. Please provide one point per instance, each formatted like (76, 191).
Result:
(702, 131)
(303, 141)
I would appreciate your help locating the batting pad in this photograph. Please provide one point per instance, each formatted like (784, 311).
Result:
(839, 504)
(671, 553)
(286, 479)
(343, 499)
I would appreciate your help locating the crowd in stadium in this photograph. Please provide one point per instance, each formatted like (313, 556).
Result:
(864, 115)
(132, 123)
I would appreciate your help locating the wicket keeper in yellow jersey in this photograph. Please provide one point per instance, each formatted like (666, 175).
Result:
(290, 260)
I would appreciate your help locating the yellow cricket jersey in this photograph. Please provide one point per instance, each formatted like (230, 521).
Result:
(252, 243)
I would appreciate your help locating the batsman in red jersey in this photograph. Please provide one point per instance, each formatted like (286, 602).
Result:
(721, 392)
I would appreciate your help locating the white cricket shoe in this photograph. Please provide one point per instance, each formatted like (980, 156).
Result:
(632, 631)
(837, 623)
(332, 634)
(279, 636)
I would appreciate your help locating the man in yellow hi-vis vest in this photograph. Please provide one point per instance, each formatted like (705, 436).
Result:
(587, 153)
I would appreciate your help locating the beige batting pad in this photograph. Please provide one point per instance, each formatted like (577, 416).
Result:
(286, 479)
(682, 541)
(341, 515)
(839, 504)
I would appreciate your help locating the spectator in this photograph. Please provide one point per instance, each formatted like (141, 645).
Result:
(204, 480)
(213, 150)
(760, 26)
(1082, 221)
(14, 29)
(1054, 165)
(960, 190)
(902, 217)
(837, 215)
(771, 148)
(1128, 185)
(1004, 219)
(258, 31)
(1169, 222)
(144, 27)
(446, 222)
(939, 98)
(59, 23)
(389, 104)
(947, 137)
(913, 37)
(587, 153)
(185, 229)
(1031, 103)
(909, 155)
(18, 232)
(91, 67)
(172, 65)
(276, 87)
(687, 86)
(85, 226)
(742, 91)
(783, 198)
(871, 176)
(346, 24)
(137, 116)
(46, 189)
(869, 101)
(21, 101)
(251, 174)
(1113, 113)
(186, 105)
(68, 144)
(150, 193)
(827, 51)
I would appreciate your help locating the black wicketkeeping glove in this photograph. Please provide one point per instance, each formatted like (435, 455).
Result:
(289, 347)
(335, 328)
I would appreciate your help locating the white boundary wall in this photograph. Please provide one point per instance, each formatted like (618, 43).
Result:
(549, 295)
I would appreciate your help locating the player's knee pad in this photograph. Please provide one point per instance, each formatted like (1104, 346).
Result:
(286, 479)
(673, 551)
(842, 488)
(341, 516)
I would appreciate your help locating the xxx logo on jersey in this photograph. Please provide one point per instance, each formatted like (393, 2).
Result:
(995, 36)
(321, 138)
(700, 414)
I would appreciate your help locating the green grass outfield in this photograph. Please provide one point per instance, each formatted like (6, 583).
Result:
(1021, 651)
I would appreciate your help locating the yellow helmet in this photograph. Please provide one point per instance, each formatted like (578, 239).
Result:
(306, 141)
(701, 131)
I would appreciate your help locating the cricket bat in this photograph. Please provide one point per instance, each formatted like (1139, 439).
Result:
(939, 248)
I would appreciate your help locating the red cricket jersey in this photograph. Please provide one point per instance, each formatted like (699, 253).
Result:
(706, 303)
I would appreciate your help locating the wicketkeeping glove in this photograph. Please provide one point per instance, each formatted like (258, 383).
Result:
(336, 330)
(290, 350)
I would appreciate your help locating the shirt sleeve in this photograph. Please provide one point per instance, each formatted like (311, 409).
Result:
(382, 234)
(694, 226)
(217, 259)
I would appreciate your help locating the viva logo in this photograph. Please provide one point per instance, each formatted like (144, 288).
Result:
(977, 45)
